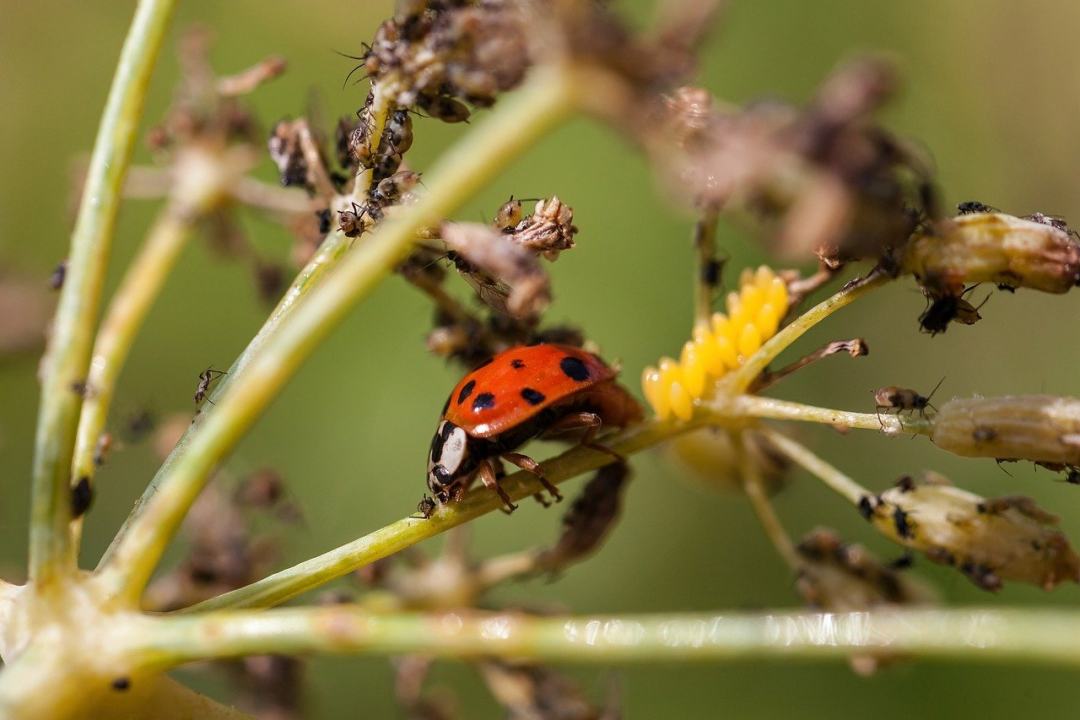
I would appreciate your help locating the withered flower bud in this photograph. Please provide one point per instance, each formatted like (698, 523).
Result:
(590, 518)
(688, 113)
(506, 276)
(987, 540)
(839, 577)
(1040, 428)
(1040, 253)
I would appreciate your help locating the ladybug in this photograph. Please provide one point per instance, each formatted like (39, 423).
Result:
(521, 393)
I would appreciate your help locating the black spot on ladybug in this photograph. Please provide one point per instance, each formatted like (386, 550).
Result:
(574, 369)
(517, 363)
(81, 497)
(121, 683)
(483, 401)
(466, 391)
(533, 397)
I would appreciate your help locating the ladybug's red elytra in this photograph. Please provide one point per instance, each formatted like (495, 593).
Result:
(523, 392)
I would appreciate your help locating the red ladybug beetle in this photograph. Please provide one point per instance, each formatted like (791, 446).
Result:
(521, 393)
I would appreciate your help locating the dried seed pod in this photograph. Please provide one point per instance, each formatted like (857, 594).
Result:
(1041, 428)
(987, 540)
(587, 524)
(1039, 252)
(837, 577)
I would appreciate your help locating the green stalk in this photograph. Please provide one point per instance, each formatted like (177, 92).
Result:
(546, 99)
(51, 548)
(300, 578)
(1046, 636)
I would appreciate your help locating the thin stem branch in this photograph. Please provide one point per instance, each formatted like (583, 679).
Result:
(286, 584)
(51, 549)
(742, 378)
(971, 634)
(379, 112)
(706, 269)
(813, 464)
(548, 97)
(128, 309)
(754, 487)
(774, 409)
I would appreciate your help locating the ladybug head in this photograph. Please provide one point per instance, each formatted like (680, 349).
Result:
(448, 462)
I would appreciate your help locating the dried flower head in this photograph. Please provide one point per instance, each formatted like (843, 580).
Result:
(987, 540)
(1040, 428)
(997, 248)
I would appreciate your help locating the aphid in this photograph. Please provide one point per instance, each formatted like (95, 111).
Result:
(523, 392)
(943, 310)
(285, 151)
(443, 107)
(398, 133)
(82, 495)
(901, 399)
(509, 215)
(102, 448)
(206, 377)
(352, 221)
(1073, 478)
(139, 425)
(56, 280)
(390, 190)
(972, 207)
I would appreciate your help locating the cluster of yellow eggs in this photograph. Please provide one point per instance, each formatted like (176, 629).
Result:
(719, 345)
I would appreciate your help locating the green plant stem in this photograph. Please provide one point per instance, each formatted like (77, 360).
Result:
(51, 549)
(970, 634)
(754, 487)
(773, 409)
(289, 583)
(379, 112)
(742, 378)
(546, 99)
(128, 309)
(813, 464)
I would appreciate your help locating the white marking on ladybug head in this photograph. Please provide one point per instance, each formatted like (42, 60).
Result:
(449, 449)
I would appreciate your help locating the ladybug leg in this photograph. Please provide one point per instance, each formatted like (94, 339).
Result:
(591, 423)
(529, 465)
(487, 476)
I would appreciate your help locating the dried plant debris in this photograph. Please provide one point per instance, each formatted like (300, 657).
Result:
(271, 687)
(823, 180)
(1042, 428)
(225, 550)
(534, 692)
(834, 576)
(435, 56)
(590, 519)
(988, 540)
(24, 314)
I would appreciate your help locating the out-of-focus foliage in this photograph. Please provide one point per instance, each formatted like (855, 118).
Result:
(991, 89)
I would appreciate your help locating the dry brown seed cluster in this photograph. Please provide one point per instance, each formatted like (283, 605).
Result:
(987, 540)
(821, 180)
(437, 55)
(1041, 428)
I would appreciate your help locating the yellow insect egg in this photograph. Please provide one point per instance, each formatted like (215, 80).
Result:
(768, 320)
(693, 369)
(681, 402)
(749, 340)
(778, 294)
(710, 353)
(655, 393)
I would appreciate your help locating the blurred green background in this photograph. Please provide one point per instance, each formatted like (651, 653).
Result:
(992, 89)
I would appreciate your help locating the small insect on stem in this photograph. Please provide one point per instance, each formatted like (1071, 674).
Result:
(206, 377)
(901, 399)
